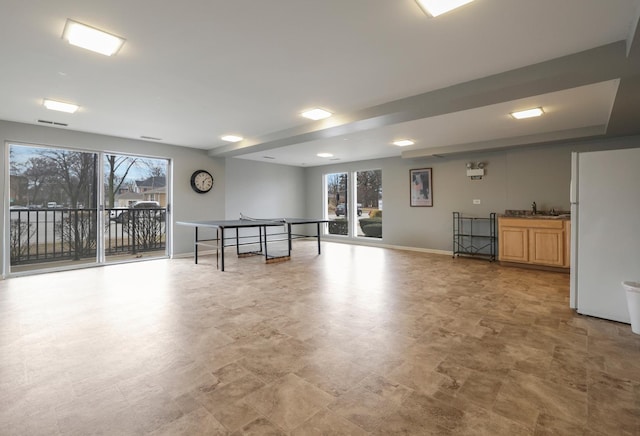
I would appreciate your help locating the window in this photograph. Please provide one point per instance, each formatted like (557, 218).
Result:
(56, 213)
(359, 218)
(337, 188)
(369, 207)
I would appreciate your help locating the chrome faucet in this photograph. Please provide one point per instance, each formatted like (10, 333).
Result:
(534, 208)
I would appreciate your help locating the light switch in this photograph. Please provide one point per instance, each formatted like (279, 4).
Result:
(476, 201)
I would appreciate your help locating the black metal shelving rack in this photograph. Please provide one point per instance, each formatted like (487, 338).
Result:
(475, 236)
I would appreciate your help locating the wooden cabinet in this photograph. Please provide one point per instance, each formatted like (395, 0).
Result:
(546, 246)
(514, 244)
(535, 241)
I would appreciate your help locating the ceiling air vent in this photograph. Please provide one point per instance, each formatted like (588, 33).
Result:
(152, 138)
(268, 157)
(53, 123)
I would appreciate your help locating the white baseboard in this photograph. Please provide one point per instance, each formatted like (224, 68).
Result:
(393, 247)
(339, 241)
(192, 254)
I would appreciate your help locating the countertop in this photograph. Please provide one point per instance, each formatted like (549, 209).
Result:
(527, 214)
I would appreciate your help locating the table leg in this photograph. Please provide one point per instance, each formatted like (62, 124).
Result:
(266, 254)
(195, 246)
(221, 230)
(318, 233)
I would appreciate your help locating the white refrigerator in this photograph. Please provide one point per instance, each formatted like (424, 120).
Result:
(605, 231)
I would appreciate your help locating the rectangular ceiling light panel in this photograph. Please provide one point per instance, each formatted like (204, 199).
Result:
(403, 142)
(439, 7)
(529, 113)
(232, 138)
(60, 106)
(316, 114)
(90, 38)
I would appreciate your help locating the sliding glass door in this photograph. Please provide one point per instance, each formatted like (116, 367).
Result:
(53, 208)
(135, 198)
(56, 215)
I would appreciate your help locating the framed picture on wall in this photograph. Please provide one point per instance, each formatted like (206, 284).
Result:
(421, 187)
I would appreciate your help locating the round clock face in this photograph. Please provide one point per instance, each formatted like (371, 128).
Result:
(201, 181)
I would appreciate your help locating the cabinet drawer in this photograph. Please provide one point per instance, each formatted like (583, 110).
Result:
(532, 223)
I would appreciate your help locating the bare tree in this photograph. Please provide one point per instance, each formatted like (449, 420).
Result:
(41, 172)
(77, 176)
(15, 166)
(146, 227)
(369, 187)
(20, 234)
(337, 188)
(76, 171)
(154, 167)
(117, 172)
(78, 230)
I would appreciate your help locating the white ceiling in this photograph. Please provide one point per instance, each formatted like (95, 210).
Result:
(575, 108)
(193, 71)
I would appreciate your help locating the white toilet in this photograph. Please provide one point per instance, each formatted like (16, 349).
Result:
(633, 302)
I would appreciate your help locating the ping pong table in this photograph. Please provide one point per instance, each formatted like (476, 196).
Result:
(263, 236)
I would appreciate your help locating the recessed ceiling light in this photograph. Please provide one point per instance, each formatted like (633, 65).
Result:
(316, 114)
(60, 106)
(529, 113)
(231, 138)
(324, 155)
(403, 142)
(439, 7)
(90, 38)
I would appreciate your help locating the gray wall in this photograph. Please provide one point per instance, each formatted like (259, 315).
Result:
(186, 204)
(263, 190)
(514, 179)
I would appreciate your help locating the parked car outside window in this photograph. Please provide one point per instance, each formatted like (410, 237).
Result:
(341, 209)
(146, 205)
(121, 215)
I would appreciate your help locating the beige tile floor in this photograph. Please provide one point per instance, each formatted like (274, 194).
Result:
(359, 340)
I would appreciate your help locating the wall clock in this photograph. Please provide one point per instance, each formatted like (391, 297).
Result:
(201, 181)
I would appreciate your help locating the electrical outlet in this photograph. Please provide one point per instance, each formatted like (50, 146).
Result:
(476, 201)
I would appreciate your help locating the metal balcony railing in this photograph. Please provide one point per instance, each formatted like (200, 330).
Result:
(47, 235)
(135, 230)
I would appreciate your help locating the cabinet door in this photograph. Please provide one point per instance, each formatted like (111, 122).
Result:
(514, 244)
(546, 246)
